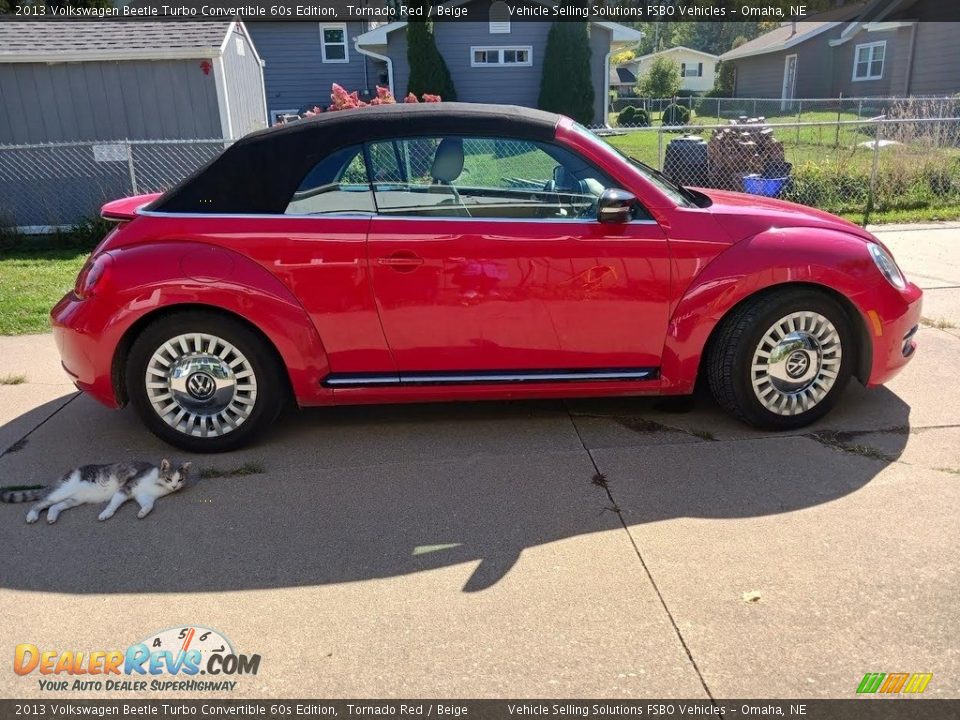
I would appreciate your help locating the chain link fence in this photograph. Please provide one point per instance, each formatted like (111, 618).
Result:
(853, 167)
(719, 110)
(850, 167)
(60, 184)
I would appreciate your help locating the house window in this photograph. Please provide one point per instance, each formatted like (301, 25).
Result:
(333, 43)
(868, 61)
(501, 56)
(691, 70)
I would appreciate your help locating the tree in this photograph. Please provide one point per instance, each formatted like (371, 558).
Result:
(662, 80)
(726, 74)
(428, 70)
(566, 86)
(623, 57)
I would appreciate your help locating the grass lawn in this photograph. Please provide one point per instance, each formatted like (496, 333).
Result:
(30, 283)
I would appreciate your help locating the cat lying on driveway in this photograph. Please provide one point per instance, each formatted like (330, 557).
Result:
(118, 482)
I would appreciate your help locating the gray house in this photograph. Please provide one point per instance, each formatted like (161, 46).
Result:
(73, 80)
(490, 59)
(303, 59)
(871, 49)
(98, 84)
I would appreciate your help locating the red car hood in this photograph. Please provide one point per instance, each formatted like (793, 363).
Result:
(745, 215)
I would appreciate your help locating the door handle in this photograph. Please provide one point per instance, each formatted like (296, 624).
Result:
(402, 261)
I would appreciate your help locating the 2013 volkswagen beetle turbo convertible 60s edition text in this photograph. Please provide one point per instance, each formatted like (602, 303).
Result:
(445, 251)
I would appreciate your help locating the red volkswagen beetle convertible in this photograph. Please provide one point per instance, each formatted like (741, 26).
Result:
(409, 253)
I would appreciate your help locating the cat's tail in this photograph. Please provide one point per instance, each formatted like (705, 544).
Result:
(21, 495)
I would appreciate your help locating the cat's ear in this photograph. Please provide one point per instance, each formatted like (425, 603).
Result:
(164, 466)
(185, 468)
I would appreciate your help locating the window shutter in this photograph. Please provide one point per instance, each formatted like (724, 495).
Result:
(683, 69)
(700, 70)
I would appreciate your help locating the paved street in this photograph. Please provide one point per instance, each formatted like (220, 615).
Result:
(464, 550)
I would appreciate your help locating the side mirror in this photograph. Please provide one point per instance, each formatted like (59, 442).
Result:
(615, 206)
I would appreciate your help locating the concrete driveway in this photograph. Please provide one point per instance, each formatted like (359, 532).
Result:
(469, 550)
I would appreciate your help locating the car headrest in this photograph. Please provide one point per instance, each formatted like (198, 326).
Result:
(448, 161)
(565, 180)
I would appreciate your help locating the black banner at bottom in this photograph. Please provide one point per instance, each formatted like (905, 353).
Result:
(853, 709)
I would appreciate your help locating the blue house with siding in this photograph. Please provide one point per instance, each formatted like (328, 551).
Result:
(491, 59)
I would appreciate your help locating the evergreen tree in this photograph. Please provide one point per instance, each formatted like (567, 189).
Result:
(428, 70)
(566, 86)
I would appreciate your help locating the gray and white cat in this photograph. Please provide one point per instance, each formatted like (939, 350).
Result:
(118, 482)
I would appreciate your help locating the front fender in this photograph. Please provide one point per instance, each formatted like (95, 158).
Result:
(816, 256)
(148, 279)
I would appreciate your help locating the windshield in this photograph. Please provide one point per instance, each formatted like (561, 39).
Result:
(677, 193)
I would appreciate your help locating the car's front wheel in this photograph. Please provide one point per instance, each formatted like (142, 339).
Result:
(781, 360)
(203, 382)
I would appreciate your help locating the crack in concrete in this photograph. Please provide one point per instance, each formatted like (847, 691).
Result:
(600, 480)
(642, 425)
(22, 441)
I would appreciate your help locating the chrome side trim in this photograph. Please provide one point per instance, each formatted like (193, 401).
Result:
(355, 216)
(250, 216)
(488, 378)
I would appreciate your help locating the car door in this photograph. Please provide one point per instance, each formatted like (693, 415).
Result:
(317, 248)
(486, 256)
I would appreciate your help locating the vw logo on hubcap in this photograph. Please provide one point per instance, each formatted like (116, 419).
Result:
(797, 364)
(201, 386)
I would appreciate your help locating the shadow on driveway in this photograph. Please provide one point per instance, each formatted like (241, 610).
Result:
(363, 493)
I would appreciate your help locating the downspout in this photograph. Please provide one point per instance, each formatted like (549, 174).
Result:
(605, 120)
(911, 53)
(378, 56)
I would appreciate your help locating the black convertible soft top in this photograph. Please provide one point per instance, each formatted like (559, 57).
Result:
(259, 173)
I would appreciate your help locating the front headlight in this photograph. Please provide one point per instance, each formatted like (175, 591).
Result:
(887, 266)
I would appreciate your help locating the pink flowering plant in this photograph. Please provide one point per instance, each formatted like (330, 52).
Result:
(340, 99)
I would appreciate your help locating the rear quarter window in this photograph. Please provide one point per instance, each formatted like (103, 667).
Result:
(337, 185)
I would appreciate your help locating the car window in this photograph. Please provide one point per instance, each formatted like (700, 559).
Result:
(482, 177)
(337, 184)
(675, 192)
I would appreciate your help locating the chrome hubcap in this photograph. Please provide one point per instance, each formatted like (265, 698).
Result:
(201, 385)
(796, 363)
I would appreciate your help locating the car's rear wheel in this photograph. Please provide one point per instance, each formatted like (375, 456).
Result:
(781, 360)
(203, 382)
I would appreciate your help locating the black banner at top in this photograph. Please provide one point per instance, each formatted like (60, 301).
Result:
(622, 11)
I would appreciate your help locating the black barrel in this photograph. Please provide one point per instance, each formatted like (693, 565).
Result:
(686, 161)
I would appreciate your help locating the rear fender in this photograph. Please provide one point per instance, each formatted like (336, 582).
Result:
(164, 276)
(831, 259)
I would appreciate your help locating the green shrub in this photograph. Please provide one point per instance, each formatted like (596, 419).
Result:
(84, 236)
(10, 237)
(428, 70)
(662, 80)
(566, 86)
(632, 116)
(675, 115)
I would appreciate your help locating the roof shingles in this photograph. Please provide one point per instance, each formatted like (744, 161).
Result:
(51, 41)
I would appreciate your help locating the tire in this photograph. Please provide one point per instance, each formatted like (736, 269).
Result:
(219, 380)
(786, 383)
